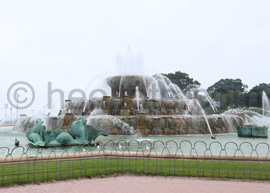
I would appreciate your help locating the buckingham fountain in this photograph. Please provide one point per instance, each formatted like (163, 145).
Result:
(130, 108)
(139, 104)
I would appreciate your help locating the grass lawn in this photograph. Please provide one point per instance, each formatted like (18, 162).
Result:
(37, 172)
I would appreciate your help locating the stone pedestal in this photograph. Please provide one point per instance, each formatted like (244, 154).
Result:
(125, 103)
(106, 104)
(68, 120)
(141, 123)
(125, 106)
(125, 112)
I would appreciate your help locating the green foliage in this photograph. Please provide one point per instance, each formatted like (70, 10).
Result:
(182, 80)
(243, 99)
(260, 88)
(230, 93)
(253, 99)
(38, 182)
(255, 94)
(224, 86)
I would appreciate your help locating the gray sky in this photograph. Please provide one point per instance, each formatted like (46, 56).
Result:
(71, 42)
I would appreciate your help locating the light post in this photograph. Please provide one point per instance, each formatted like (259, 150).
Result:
(5, 107)
(11, 114)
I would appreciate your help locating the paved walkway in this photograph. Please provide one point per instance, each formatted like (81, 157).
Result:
(142, 184)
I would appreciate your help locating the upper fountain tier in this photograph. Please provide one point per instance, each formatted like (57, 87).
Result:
(126, 85)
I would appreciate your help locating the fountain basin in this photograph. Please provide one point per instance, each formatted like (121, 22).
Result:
(126, 85)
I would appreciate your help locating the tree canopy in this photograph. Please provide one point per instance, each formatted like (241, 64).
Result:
(229, 93)
(224, 86)
(260, 88)
(182, 80)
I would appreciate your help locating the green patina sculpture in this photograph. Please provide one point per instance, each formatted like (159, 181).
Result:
(81, 134)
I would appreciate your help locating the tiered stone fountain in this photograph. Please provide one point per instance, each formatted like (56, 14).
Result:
(163, 116)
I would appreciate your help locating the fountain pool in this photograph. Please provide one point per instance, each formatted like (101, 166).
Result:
(189, 143)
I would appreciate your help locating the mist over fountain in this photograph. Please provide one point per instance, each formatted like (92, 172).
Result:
(141, 104)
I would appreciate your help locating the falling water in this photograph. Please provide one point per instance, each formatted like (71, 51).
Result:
(23, 124)
(265, 103)
(265, 107)
(154, 90)
(165, 92)
(96, 112)
(208, 125)
(252, 117)
(206, 95)
(138, 98)
(97, 118)
(141, 108)
(170, 89)
(211, 102)
(145, 86)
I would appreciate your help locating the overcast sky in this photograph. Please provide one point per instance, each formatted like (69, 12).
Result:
(71, 42)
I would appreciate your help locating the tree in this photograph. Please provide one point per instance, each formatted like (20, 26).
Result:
(183, 81)
(253, 99)
(256, 92)
(217, 97)
(260, 88)
(224, 101)
(224, 86)
(243, 99)
(233, 98)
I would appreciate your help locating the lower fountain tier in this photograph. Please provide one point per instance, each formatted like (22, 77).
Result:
(147, 125)
(168, 125)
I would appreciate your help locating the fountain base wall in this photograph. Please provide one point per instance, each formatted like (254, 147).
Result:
(147, 125)
(170, 125)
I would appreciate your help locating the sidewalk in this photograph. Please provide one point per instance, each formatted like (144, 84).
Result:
(142, 184)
